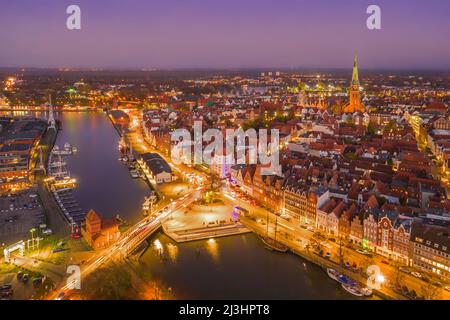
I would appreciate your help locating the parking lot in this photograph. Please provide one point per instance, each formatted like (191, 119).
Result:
(18, 214)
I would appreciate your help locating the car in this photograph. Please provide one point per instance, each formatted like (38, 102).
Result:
(404, 269)
(6, 287)
(310, 229)
(366, 253)
(47, 232)
(60, 296)
(385, 261)
(417, 274)
(437, 283)
(37, 282)
(5, 295)
(303, 226)
(25, 278)
(447, 288)
(327, 255)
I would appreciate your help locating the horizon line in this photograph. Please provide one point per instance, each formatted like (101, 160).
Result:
(248, 68)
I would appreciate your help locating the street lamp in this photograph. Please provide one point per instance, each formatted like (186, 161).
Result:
(32, 231)
(380, 279)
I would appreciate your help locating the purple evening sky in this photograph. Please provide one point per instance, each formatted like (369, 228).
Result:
(223, 34)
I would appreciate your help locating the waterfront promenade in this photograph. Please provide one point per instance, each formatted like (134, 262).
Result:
(55, 217)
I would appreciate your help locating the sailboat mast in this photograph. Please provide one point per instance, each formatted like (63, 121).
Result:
(276, 226)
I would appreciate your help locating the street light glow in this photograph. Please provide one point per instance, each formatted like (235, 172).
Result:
(380, 278)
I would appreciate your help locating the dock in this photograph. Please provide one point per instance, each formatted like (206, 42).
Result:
(192, 234)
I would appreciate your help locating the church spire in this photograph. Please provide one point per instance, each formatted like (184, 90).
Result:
(355, 78)
(354, 104)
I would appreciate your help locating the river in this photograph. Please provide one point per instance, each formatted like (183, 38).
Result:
(237, 267)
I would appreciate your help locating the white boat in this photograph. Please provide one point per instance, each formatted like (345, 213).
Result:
(134, 174)
(354, 290)
(61, 152)
(333, 274)
(366, 291)
(57, 164)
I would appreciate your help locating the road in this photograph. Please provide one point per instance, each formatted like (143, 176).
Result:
(130, 239)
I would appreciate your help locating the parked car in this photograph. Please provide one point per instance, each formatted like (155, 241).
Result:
(417, 274)
(47, 232)
(363, 252)
(37, 282)
(6, 295)
(25, 278)
(404, 269)
(6, 287)
(437, 283)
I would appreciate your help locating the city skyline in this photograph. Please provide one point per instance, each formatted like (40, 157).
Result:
(198, 34)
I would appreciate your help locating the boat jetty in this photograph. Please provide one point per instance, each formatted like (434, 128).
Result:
(62, 185)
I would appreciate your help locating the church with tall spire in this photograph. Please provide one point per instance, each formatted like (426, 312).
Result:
(354, 104)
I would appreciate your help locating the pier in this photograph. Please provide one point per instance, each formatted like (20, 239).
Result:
(193, 234)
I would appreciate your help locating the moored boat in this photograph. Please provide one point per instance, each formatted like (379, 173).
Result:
(366, 291)
(354, 290)
(134, 174)
(272, 244)
(333, 274)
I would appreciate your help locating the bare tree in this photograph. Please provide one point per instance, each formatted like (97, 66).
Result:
(430, 291)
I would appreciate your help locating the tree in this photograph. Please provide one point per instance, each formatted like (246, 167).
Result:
(110, 283)
(351, 155)
(371, 129)
(430, 291)
(391, 126)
